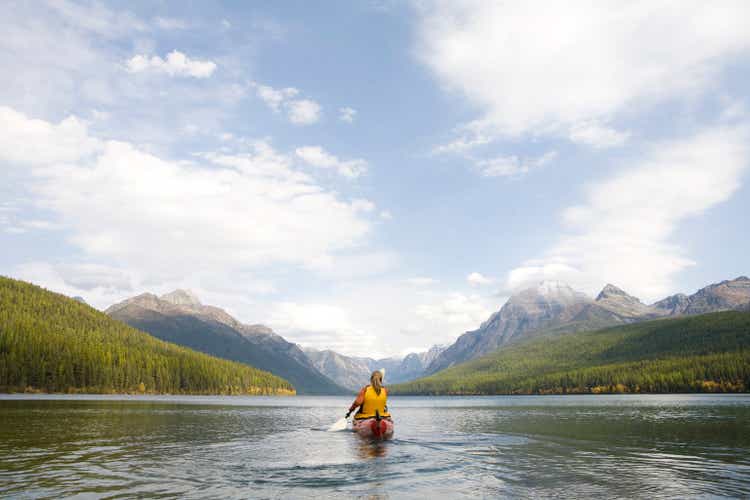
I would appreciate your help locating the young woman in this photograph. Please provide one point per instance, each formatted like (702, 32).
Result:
(372, 419)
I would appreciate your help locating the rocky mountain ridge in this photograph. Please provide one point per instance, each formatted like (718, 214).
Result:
(170, 315)
(556, 307)
(181, 318)
(354, 372)
(551, 307)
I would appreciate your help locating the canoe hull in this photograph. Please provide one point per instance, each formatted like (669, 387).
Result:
(374, 429)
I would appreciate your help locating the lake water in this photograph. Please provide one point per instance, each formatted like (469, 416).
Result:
(221, 447)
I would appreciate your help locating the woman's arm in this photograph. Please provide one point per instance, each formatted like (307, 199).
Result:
(358, 401)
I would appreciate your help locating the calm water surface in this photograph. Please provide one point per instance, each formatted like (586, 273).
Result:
(223, 447)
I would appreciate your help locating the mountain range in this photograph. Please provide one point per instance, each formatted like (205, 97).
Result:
(354, 372)
(551, 307)
(527, 323)
(554, 307)
(180, 318)
(678, 354)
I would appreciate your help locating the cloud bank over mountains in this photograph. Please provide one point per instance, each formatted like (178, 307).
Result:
(375, 198)
(625, 226)
(123, 203)
(581, 72)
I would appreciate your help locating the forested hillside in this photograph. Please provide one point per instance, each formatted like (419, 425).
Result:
(180, 318)
(49, 342)
(707, 353)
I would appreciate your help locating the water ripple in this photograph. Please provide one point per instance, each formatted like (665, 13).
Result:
(456, 448)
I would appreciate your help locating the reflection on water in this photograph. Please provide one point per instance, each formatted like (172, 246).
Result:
(366, 448)
(615, 446)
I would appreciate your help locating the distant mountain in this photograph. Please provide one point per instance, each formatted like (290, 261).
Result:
(348, 371)
(622, 304)
(731, 294)
(52, 343)
(673, 305)
(702, 353)
(414, 365)
(80, 299)
(354, 372)
(180, 317)
(550, 304)
(554, 307)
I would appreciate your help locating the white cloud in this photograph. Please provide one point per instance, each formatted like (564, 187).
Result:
(99, 115)
(40, 224)
(23, 226)
(98, 284)
(274, 98)
(318, 325)
(378, 318)
(540, 68)
(87, 276)
(734, 110)
(421, 281)
(358, 265)
(97, 18)
(597, 135)
(512, 166)
(37, 142)
(170, 23)
(363, 205)
(190, 129)
(64, 63)
(318, 318)
(623, 232)
(298, 111)
(168, 218)
(467, 311)
(303, 111)
(318, 157)
(386, 215)
(480, 133)
(347, 114)
(478, 279)
(554, 267)
(57, 54)
(470, 136)
(175, 64)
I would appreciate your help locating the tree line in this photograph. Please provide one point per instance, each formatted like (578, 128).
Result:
(51, 343)
(706, 353)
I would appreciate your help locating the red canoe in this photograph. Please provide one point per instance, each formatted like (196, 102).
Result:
(373, 428)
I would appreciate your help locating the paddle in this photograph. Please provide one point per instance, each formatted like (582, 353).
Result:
(338, 425)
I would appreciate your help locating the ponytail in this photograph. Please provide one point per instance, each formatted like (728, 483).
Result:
(376, 381)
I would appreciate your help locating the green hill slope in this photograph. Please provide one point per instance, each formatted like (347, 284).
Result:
(217, 339)
(707, 353)
(49, 342)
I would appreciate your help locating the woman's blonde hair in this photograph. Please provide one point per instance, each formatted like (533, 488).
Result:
(376, 381)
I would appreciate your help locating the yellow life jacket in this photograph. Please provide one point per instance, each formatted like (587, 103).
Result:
(373, 402)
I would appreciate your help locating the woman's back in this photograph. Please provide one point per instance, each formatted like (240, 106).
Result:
(374, 402)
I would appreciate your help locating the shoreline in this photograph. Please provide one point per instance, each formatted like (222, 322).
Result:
(281, 394)
(8, 396)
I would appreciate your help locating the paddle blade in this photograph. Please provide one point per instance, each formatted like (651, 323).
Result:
(338, 425)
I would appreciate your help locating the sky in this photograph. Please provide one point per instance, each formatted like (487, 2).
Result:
(373, 177)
